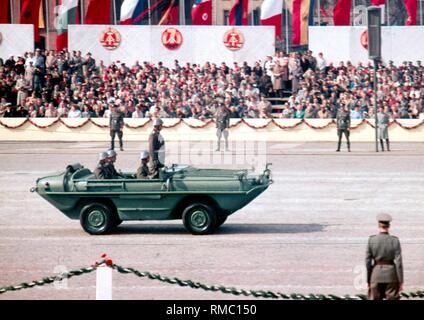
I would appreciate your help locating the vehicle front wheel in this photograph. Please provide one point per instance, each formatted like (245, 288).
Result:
(97, 218)
(199, 218)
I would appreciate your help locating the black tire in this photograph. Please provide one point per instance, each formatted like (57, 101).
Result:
(97, 218)
(220, 221)
(118, 221)
(199, 218)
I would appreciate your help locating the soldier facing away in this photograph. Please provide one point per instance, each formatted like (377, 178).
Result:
(101, 171)
(156, 147)
(383, 120)
(384, 263)
(116, 125)
(343, 126)
(222, 119)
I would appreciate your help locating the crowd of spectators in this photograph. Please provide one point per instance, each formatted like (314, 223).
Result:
(68, 84)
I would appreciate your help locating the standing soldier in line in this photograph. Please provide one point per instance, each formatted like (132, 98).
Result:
(383, 120)
(116, 124)
(101, 171)
(222, 119)
(156, 148)
(343, 126)
(384, 263)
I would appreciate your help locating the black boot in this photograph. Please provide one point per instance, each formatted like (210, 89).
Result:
(388, 144)
(348, 146)
(382, 145)
(338, 146)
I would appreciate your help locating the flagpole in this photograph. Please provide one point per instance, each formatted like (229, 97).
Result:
(47, 21)
(421, 12)
(114, 11)
(319, 12)
(82, 12)
(388, 13)
(353, 12)
(287, 27)
(149, 4)
(11, 11)
(182, 13)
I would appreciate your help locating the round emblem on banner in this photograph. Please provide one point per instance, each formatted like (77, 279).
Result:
(233, 39)
(172, 38)
(205, 16)
(110, 39)
(364, 39)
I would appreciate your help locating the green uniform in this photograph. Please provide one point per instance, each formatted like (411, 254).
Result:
(384, 266)
(143, 172)
(155, 145)
(112, 173)
(116, 124)
(101, 172)
(222, 119)
(343, 124)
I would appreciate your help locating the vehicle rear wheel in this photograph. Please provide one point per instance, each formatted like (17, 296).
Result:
(199, 218)
(97, 218)
(220, 221)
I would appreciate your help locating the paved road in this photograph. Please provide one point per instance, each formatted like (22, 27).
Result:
(306, 233)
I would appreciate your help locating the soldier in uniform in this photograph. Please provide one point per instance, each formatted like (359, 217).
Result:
(143, 172)
(156, 147)
(343, 126)
(384, 263)
(222, 119)
(110, 167)
(101, 171)
(116, 124)
(383, 120)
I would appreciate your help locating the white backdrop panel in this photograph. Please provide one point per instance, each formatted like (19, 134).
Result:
(16, 39)
(399, 43)
(200, 44)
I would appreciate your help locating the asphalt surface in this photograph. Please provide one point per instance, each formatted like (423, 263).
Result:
(307, 233)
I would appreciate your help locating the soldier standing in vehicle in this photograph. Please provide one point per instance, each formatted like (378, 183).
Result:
(101, 171)
(110, 166)
(383, 120)
(343, 126)
(156, 148)
(143, 172)
(116, 125)
(222, 119)
(384, 263)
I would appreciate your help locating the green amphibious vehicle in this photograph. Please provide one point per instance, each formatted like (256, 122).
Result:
(202, 198)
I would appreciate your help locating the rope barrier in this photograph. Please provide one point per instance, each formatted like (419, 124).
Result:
(197, 285)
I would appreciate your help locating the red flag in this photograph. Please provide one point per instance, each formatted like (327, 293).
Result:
(341, 12)
(239, 13)
(201, 13)
(378, 2)
(172, 13)
(98, 12)
(411, 8)
(4, 12)
(30, 10)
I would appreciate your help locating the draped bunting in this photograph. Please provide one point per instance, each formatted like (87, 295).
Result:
(284, 124)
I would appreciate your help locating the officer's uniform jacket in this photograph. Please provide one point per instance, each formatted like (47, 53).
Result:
(222, 119)
(116, 121)
(111, 171)
(384, 247)
(155, 144)
(343, 120)
(383, 121)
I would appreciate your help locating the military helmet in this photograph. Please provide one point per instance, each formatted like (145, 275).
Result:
(111, 153)
(102, 156)
(144, 154)
(157, 122)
